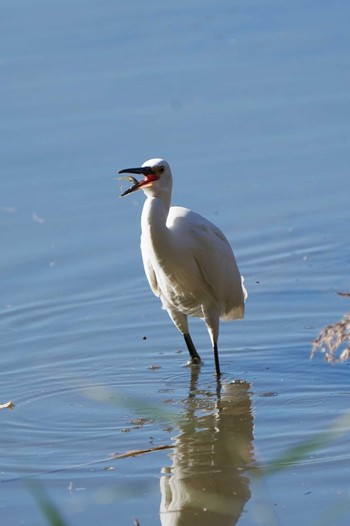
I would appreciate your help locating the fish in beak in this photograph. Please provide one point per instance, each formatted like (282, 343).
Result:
(146, 171)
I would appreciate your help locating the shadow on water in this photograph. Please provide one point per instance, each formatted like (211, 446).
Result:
(207, 482)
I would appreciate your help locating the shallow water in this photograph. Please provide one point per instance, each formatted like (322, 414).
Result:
(249, 103)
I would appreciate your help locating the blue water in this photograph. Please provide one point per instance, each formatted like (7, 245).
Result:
(249, 102)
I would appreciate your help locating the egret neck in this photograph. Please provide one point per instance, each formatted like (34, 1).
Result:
(153, 222)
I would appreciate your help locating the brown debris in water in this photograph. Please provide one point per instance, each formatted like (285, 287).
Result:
(8, 405)
(331, 338)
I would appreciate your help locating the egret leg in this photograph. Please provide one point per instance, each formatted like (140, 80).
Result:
(211, 318)
(195, 358)
(216, 358)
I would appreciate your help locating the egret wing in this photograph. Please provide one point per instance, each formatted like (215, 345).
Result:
(217, 273)
(150, 274)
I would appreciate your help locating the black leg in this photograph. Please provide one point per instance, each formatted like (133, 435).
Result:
(195, 358)
(216, 358)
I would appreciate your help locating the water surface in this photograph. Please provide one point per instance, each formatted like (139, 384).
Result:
(249, 102)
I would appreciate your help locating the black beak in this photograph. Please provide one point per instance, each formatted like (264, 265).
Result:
(146, 170)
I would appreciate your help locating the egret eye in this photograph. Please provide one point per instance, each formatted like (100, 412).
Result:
(161, 169)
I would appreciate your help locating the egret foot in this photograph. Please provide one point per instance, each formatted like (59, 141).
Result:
(195, 358)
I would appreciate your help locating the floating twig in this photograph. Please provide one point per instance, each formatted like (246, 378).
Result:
(114, 456)
(135, 452)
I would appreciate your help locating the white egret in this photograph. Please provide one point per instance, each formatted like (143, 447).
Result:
(188, 261)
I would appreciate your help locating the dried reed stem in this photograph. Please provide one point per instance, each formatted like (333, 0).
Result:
(331, 338)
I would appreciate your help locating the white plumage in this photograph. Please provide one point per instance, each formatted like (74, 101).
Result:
(188, 261)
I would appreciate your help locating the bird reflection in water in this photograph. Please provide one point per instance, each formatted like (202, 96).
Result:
(207, 483)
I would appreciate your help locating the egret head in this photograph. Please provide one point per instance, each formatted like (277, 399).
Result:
(157, 178)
